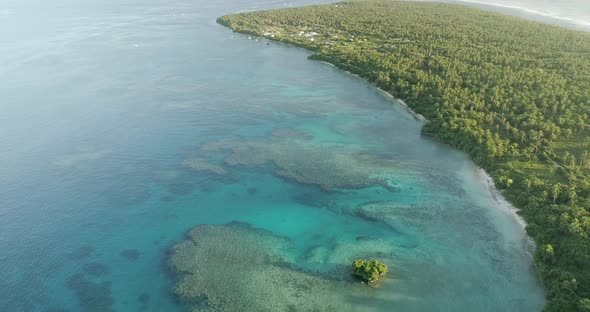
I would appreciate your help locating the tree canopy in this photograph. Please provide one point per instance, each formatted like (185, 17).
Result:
(369, 270)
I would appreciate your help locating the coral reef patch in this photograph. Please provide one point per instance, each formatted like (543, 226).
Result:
(236, 267)
(327, 165)
(199, 164)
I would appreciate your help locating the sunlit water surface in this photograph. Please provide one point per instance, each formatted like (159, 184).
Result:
(568, 13)
(101, 104)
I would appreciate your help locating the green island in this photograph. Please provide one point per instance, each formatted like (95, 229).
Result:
(513, 94)
(371, 271)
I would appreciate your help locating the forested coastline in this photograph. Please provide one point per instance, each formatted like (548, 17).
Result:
(513, 94)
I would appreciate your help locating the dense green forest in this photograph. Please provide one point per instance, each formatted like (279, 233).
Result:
(512, 93)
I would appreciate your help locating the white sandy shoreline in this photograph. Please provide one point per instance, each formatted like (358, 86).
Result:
(504, 205)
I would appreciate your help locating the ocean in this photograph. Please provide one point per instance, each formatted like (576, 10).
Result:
(124, 124)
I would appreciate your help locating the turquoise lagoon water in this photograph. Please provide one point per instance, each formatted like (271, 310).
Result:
(102, 101)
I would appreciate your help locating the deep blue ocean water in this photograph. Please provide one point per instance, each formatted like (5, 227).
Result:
(103, 101)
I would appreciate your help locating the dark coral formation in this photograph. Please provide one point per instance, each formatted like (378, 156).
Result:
(167, 198)
(130, 254)
(82, 252)
(128, 195)
(92, 296)
(53, 309)
(181, 188)
(144, 300)
(96, 269)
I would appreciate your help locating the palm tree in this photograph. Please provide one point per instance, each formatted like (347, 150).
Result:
(555, 191)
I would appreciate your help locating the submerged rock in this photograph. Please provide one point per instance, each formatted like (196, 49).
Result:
(144, 298)
(181, 188)
(167, 198)
(96, 269)
(82, 252)
(130, 254)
